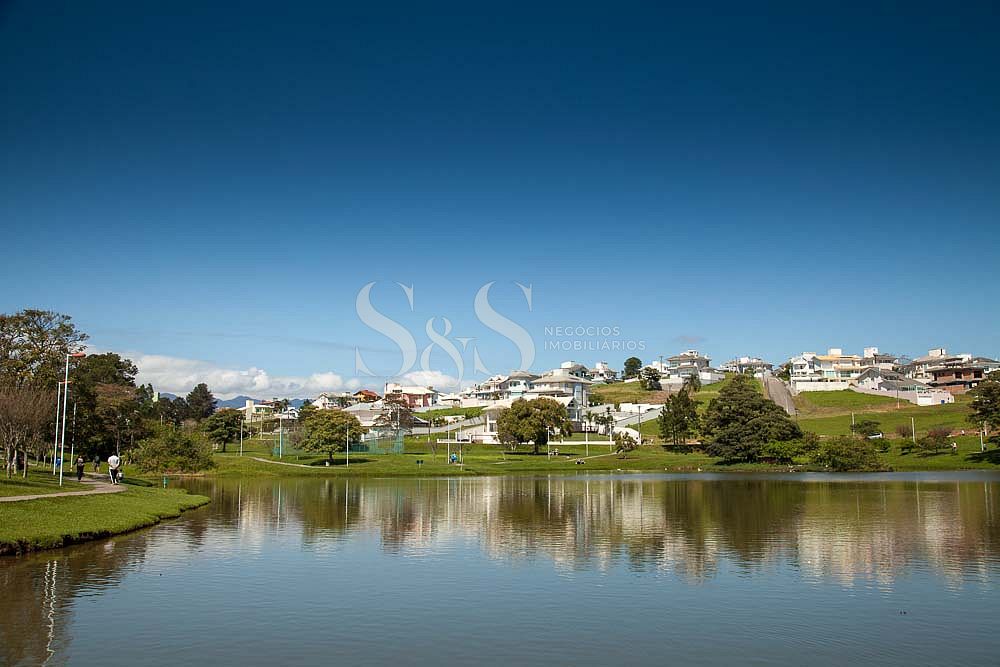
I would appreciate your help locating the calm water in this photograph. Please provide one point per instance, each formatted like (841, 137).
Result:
(581, 570)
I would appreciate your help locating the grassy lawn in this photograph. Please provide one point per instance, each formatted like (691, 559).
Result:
(467, 413)
(54, 522)
(39, 481)
(831, 402)
(625, 392)
(953, 416)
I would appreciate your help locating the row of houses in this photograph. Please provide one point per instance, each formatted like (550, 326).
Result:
(932, 379)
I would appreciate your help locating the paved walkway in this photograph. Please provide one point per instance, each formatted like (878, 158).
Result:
(99, 486)
(283, 463)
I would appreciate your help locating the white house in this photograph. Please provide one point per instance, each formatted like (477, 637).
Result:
(883, 382)
(689, 363)
(256, 412)
(754, 365)
(601, 372)
(832, 371)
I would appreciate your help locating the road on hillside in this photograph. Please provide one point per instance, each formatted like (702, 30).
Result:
(778, 392)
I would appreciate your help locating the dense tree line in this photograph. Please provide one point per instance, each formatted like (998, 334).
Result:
(106, 412)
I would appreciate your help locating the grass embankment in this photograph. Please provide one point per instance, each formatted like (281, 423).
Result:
(46, 523)
(466, 413)
(39, 481)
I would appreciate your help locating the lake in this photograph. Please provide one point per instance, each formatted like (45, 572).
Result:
(889, 569)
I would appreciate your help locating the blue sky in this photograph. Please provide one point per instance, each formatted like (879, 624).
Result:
(208, 189)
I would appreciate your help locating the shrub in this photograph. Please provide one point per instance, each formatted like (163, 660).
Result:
(865, 427)
(845, 454)
(786, 451)
(172, 449)
(904, 431)
(935, 440)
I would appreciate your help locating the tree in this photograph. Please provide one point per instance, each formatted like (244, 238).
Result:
(678, 418)
(33, 347)
(935, 440)
(25, 415)
(624, 443)
(632, 367)
(740, 421)
(200, 402)
(327, 431)
(692, 383)
(115, 414)
(530, 421)
(396, 414)
(606, 421)
(985, 406)
(649, 379)
(842, 454)
(223, 427)
(171, 449)
(865, 428)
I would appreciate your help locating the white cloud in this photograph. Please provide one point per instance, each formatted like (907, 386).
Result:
(436, 379)
(178, 376)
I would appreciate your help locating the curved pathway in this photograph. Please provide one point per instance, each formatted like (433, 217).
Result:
(98, 488)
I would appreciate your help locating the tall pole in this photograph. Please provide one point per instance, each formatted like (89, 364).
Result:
(241, 436)
(347, 447)
(62, 443)
(913, 430)
(72, 438)
(982, 445)
(55, 443)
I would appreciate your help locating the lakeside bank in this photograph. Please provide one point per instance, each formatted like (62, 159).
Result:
(48, 523)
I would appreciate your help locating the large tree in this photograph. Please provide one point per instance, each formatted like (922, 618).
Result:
(649, 379)
(632, 367)
(740, 421)
(223, 426)
(327, 431)
(33, 347)
(25, 415)
(530, 421)
(200, 402)
(986, 402)
(396, 414)
(678, 418)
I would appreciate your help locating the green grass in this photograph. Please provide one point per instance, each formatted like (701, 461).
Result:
(837, 401)
(54, 522)
(39, 481)
(467, 413)
(624, 392)
(952, 415)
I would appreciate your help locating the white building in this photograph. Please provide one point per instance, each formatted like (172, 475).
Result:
(835, 370)
(689, 363)
(256, 412)
(601, 372)
(754, 365)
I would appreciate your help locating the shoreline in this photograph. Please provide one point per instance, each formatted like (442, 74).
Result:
(39, 524)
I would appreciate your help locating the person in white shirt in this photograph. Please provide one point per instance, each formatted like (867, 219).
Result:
(114, 463)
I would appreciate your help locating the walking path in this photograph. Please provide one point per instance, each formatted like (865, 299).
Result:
(98, 488)
(282, 463)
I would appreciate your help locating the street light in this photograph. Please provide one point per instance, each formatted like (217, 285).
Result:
(62, 443)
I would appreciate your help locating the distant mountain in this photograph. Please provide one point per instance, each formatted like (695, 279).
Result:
(240, 401)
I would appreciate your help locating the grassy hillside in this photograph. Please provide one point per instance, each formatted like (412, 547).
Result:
(838, 402)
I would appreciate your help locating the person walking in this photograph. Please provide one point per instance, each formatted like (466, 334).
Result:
(113, 464)
(80, 465)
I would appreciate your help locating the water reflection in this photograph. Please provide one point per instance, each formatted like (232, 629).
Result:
(825, 526)
(841, 532)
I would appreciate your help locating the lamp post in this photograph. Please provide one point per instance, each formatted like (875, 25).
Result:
(62, 443)
(55, 442)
